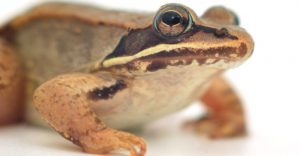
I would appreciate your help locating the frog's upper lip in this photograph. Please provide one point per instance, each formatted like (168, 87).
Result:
(186, 56)
(197, 48)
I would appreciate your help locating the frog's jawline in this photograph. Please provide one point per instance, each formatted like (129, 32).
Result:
(164, 59)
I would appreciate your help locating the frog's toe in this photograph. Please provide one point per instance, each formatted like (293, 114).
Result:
(137, 145)
(113, 140)
(228, 129)
(202, 125)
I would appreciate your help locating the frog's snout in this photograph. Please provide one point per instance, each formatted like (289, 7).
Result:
(244, 42)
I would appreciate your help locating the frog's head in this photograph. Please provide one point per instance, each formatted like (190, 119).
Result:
(178, 38)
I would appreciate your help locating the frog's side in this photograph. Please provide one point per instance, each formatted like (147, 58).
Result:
(123, 70)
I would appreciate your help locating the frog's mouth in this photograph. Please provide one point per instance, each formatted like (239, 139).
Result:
(179, 55)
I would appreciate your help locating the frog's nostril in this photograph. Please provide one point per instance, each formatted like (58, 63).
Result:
(221, 32)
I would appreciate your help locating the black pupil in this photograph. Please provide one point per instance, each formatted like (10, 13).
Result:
(171, 18)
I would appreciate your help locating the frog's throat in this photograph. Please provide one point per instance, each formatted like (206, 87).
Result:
(198, 46)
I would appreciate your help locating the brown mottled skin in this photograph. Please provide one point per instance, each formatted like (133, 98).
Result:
(93, 72)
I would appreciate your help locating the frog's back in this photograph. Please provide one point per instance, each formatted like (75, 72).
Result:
(55, 38)
(58, 37)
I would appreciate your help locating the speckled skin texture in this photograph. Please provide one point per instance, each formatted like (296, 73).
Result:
(86, 107)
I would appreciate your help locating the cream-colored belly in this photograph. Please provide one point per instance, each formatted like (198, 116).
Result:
(153, 96)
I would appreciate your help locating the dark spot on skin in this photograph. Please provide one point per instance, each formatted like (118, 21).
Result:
(2, 67)
(243, 50)
(201, 61)
(107, 92)
(2, 86)
(8, 33)
(155, 65)
(219, 33)
(98, 121)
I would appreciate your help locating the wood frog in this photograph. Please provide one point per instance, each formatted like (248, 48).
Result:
(92, 73)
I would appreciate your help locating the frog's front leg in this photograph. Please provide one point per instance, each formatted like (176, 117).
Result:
(225, 116)
(11, 85)
(65, 103)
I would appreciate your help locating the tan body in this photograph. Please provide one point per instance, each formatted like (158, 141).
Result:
(107, 83)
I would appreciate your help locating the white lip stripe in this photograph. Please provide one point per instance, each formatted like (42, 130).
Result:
(164, 47)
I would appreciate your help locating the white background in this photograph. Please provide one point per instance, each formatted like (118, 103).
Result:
(268, 83)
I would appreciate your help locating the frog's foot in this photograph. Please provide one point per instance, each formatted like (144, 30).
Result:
(11, 90)
(216, 127)
(225, 117)
(108, 140)
(66, 101)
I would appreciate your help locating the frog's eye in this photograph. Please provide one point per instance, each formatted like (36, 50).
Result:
(172, 20)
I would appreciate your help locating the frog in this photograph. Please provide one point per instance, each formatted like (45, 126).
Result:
(92, 74)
